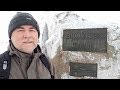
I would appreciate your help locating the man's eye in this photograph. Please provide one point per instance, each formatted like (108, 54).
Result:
(20, 30)
(32, 30)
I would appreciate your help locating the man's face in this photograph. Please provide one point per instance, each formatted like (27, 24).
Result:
(25, 38)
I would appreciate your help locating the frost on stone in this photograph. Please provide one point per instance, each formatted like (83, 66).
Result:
(67, 76)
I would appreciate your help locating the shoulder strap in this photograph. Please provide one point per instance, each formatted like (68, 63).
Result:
(5, 63)
(45, 61)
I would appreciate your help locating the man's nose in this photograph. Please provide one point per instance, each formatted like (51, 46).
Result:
(27, 33)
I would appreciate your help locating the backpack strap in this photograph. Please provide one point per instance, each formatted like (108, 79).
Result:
(45, 61)
(5, 63)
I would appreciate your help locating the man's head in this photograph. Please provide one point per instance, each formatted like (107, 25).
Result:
(24, 32)
(22, 19)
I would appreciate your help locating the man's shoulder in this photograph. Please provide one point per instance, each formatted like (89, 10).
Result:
(4, 54)
(5, 63)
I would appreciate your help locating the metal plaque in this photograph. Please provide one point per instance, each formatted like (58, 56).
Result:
(83, 69)
(89, 40)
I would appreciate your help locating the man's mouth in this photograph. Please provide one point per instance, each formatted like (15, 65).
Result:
(27, 42)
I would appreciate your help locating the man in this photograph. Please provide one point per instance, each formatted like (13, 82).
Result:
(27, 60)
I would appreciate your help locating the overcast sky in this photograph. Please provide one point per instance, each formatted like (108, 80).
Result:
(97, 16)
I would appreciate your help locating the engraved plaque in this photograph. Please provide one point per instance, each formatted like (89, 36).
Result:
(89, 40)
(83, 69)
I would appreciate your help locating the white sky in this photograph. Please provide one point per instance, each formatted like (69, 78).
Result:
(5, 17)
(112, 16)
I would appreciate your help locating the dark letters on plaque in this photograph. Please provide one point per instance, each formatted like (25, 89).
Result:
(89, 40)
